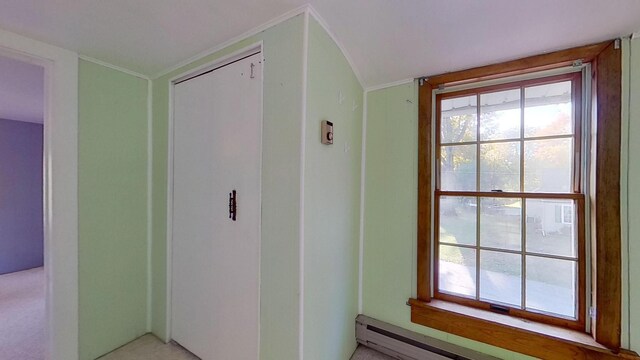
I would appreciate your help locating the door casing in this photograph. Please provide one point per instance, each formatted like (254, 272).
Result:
(60, 183)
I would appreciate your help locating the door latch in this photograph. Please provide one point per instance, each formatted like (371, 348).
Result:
(232, 205)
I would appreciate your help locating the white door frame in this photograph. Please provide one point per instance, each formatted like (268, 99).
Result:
(60, 188)
(221, 61)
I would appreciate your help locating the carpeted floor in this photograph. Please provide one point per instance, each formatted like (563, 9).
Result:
(149, 347)
(22, 326)
(22, 315)
(365, 353)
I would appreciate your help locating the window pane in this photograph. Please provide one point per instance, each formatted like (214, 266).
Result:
(457, 270)
(500, 166)
(501, 223)
(500, 115)
(548, 165)
(458, 220)
(551, 227)
(548, 110)
(501, 277)
(458, 121)
(551, 285)
(458, 167)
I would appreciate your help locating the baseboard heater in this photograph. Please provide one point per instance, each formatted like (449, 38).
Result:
(403, 344)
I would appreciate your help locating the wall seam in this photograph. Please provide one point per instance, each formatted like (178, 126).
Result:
(305, 58)
(169, 216)
(149, 201)
(363, 162)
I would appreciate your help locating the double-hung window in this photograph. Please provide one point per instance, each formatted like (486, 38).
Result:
(509, 199)
(519, 203)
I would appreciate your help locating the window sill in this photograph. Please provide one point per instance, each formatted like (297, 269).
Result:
(515, 334)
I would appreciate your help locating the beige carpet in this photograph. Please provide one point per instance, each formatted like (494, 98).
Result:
(22, 315)
(22, 326)
(365, 353)
(150, 347)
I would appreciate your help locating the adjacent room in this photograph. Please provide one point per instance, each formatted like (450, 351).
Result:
(22, 276)
(319, 180)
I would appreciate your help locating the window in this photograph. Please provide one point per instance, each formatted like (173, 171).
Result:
(505, 154)
(492, 172)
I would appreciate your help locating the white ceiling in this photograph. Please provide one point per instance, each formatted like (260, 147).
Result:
(21, 91)
(388, 40)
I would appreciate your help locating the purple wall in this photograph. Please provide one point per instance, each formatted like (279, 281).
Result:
(21, 230)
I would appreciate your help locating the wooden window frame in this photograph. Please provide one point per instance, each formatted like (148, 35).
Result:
(576, 194)
(604, 200)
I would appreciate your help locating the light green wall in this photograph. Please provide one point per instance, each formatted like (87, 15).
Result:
(282, 107)
(390, 203)
(633, 180)
(331, 201)
(112, 208)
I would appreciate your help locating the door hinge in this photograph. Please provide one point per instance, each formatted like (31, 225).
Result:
(592, 312)
(252, 67)
(616, 44)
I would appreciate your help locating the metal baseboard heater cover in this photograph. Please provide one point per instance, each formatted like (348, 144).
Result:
(403, 344)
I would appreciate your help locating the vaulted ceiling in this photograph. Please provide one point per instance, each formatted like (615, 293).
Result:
(388, 40)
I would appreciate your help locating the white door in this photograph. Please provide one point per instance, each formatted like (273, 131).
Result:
(215, 260)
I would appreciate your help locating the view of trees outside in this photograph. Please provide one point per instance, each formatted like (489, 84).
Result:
(458, 162)
(547, 162)
(550, 227)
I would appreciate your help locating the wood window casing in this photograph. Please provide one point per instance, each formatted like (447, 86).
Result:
(604, 197)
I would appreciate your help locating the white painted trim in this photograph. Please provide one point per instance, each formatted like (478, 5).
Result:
(169, 234)
(218, 62)
(60, 189)
(261, 203)
(149, 202)
(363, 169)
(114, 67)
(258, 46)
(303, 132)
(345, 53)
(275, 21)
(388, 85)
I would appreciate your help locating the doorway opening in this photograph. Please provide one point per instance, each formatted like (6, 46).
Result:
(22, 275)
(60, 189)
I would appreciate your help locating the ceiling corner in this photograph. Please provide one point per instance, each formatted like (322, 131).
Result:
(313, 12)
